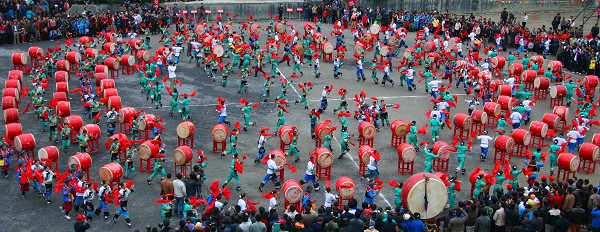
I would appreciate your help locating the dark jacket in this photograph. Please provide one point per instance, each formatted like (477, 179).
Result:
(81, 226)
(483, 224)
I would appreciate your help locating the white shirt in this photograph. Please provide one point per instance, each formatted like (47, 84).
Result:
(88, 195)
(177, 50)
(242, 204)
(272, 166)
(329, 199)
(573, 135)
(525, 18)
(442, 105)
(485, 140)
(261, 141)
(436, 113)
(171, 69)
(310, 168)
(48, 176)
(472, 35)
(273, 203)
(485, 66)
(359, 64)
(324, 94)
(527, 105)
(372, 163)
(410, 73)
(195, 45)
(219, 205)
(223, 111)
(580, 130)
(510, 81)
(434, 84)
(516, 117)
(560, 141)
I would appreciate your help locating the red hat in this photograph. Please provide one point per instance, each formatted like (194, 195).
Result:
(80, 217)
(551, 178)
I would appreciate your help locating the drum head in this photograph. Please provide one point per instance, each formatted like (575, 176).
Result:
(218, 134)
(325, 159)
(437, 198)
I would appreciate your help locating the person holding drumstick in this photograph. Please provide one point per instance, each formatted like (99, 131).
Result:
(429, 156)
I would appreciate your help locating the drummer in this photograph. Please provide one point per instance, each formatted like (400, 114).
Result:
(484, 145)
(271, 174)
(310, 173)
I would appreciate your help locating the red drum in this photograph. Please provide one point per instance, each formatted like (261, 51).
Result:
(100, 77)
(126, 114)
(229, 29)
(101, 69)
(324, 157)
(538, 129)
(24, 142)
(408, 53)
(459, 64)
(11, 115)
(498, 62)
(19, 58)
(63, 65)
(399, 128)
(463, 121)
(364, 153)
(453, 41)
(11, 92)
(300, 49)
(285, 134)
(542, 83)
(558, 91)
(428, 46)
(562, 112)
(539, 59)
(442, 149)
(495, 84)
(521, 137)
(74, 121)
(385, 49)
(551, 120)
(596, 139)
(292, 191)
(111, 172)
(185, 129)
(110, 47)
(407, 152)
(484, 76)
(110, 37)
(359, 48)
(554, 65)
(110, 92)
(11, 130)
(112, 63)
(374, 29)
(114, 102)
(127, 60)
(81, 161)
(62, 87)
(416, 187)
(63, 108)
(183, 155)
(568, 162)
(505, 90)
(15, 75)
(9, 102)
(528, 76)
(328, 48)
(36, 52)
(91, 52)
(367, 130)
(516, 68)
(86, 40)
(505, 102)
(345, 187)
(589, 151)
(148, 150)
(135, 44)
(92, 130)
(142, 55)
(122, 138)
(492, 108)
(591, 81)
(475, 71)
(12, 84)
(473, 178)
(479, 116)
(320, 130)
(279, 157)
(504, 143)
(199, 29)
(434, 56)
(319, 37)
(219, 133)
(74, 57)
(48, 153)
(61, 76)
(60, 96)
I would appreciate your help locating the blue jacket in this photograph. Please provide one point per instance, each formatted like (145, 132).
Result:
(595, 218)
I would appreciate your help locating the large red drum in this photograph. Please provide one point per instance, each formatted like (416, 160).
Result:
(183, 155)
(126, 114)
(473, 178)
(498, 62)
(460, 64)
(505, 102)
(406, 152)
(328, 48)
(100, 76)
(101, 69)
(554, 65)
(505, 90)
(492, 108)
(110, 47)
(114, 102)
(591, 81)
(318, 37)
(589, 151)
(112, 63)
(364, 153)
(91, 52)
(74, 57)
(36, 52)
(229, 29)
(324, 157)
(320, 130)
(63, 65)
(562, 112)
(135, 44)
(185, 129)
(475, 71)
(408, 53)
(516, 68)
(15, 75)
(11, 92)
(87, 41)
(110, 37)
(345, 187)
(279, 157)
(359, 48)
(93, 130)
(539, 59)
(11, 115)
(434, 56)
(428, 46)
(148, 150)
(142, 55)
(504, 143)
(292, 191)
(463, 121)
(399, 128)
(24, 142)
(107, 84)
(48, 153)
(521, 137)
(63, 108)
(596, 139)
(285, 134)
(219, 133)
(552, 120)
(11, 130)
(81, 161)
(484, 76)
(61, 76)
(111, 172)
(441, 149)
(75, 122)
(479, 116)
(127, 60)
(9, 102)
(367, 130)
(199, 29)
(568, 162)
(110, 92)
(416, 187)
(62, 87)
(12, 84)
(60, 96)
(541, 83)
(19, 58)
(528, 76)
(538, 129)
(558, 91)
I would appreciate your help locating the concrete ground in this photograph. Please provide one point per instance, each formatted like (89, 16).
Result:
(32, 213)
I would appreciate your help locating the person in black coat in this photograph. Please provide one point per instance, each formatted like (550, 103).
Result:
(81, 225)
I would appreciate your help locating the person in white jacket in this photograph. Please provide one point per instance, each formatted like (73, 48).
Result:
(484, 145)
(172, 76)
